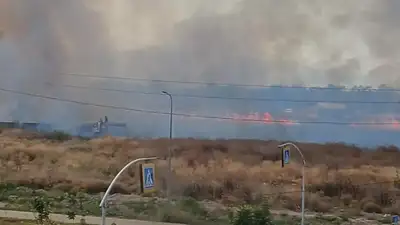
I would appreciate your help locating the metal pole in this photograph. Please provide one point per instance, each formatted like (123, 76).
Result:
(302, 178)
(103, 215)
(170, 142)
(170, 118)
(302, 196)
(104, 199)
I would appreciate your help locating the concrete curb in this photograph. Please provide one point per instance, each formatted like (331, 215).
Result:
(89, 219)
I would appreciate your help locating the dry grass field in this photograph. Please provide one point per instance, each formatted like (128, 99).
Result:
(224, 171)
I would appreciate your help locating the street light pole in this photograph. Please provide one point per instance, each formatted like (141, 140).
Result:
(104, 198)
(303, 176)
(170, 142)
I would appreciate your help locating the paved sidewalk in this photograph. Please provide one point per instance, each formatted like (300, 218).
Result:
(89, 219)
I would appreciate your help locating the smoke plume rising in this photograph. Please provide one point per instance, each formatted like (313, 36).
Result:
(308, 42)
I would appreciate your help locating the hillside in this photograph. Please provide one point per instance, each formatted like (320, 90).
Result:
(226, 171)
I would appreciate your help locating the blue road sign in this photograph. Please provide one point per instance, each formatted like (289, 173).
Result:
(148, 177)
(286, 155)
(395, 220)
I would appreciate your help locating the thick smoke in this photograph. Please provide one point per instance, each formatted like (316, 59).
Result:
(41, 39)
(267, 41)
(309, 42)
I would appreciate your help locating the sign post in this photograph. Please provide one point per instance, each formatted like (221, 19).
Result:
(285, 160)
(285, 155)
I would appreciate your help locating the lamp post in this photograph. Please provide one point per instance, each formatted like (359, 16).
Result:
(302, 177)
(170, 142)
(104, 198)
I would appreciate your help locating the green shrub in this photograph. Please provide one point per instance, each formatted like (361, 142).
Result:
(41, 205)
(174, 215)
(251, 215)
(58, 136)
(192, 206)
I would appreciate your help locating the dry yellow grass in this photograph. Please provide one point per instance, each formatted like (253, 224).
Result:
(229, 171)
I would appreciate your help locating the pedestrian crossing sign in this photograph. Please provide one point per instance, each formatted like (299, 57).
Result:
(395, 220)
(148, 176)
(285, 155)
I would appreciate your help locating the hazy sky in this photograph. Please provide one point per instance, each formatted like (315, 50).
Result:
(310, 42)
(314, 42)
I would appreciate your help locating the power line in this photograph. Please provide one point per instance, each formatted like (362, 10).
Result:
(81, 103)
(226, 97)
(188, 115)
(138, 79)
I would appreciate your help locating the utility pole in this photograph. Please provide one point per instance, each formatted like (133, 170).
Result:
(170, 143)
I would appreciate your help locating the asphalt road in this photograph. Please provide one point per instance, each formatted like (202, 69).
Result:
(89, 219)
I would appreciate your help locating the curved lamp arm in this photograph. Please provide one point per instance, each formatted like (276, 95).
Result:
(297, 148)
(103, 200)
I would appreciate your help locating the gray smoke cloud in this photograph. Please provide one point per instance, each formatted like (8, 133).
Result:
(277, 42)
(309, 42)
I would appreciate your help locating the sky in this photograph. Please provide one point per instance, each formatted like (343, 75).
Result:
(308, 42)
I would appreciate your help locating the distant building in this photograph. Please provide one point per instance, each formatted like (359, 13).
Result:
(9, 125)
(30, 126)
(97, 129)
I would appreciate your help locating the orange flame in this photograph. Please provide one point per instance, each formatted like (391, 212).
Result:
(265, 118)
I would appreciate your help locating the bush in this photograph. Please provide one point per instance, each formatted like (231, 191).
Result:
(41, 205)
(173, 215)
(192, 206)
(251, 215)
(371, 207)
(318, 204)
(322, 207)
(391, 210)
(365, 201)
(57, 136)
(290, 204)
(347, 199)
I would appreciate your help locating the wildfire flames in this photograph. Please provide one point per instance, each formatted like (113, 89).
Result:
(391, 123)
(265, 118)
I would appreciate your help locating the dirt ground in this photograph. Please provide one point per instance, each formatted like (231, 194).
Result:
(225, 171)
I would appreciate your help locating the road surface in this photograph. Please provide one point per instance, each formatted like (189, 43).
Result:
(89, 219)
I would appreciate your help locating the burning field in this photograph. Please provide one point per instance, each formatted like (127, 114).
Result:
(225, 171)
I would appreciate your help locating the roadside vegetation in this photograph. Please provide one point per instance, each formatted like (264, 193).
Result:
(341, 181)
